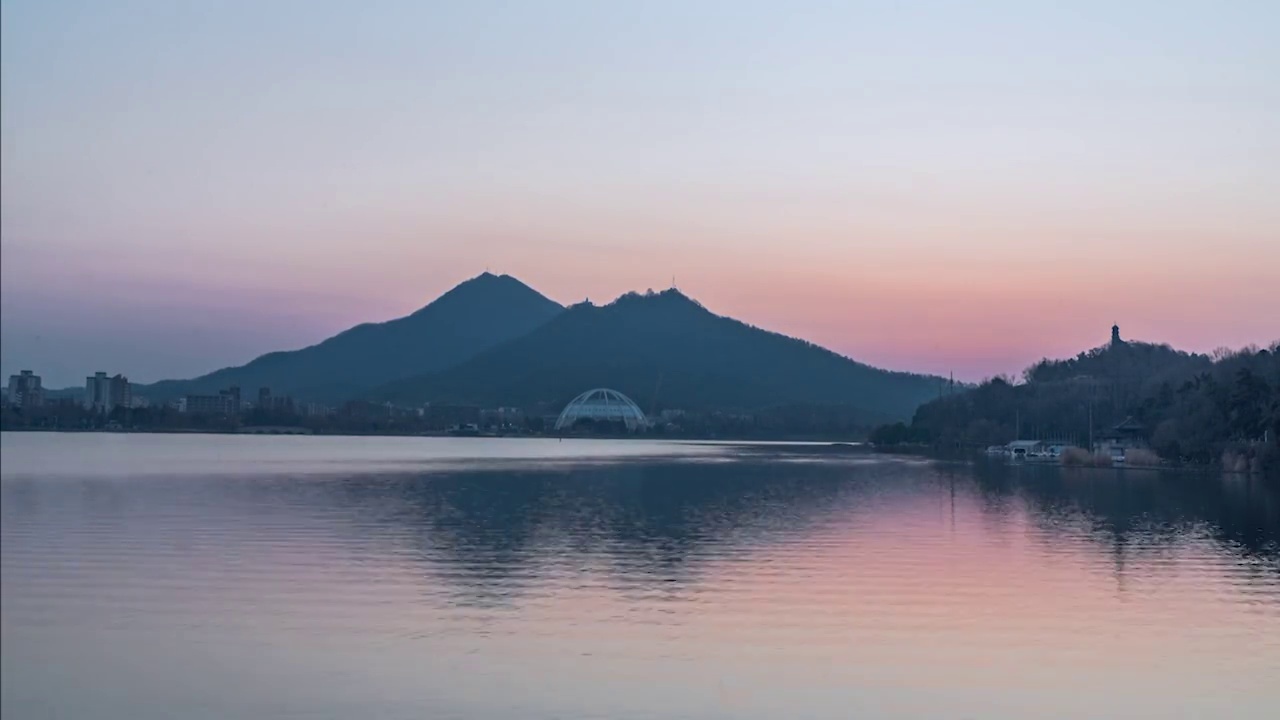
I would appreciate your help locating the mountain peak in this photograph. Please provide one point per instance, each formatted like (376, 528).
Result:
(670, 297)
(473, 316)
(485, 278)
(643, 339)
(490, 287)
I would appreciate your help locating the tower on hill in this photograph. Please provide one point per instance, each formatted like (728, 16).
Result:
(1115, 335)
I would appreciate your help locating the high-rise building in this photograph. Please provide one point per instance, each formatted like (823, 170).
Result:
(121, 392)
(226, 402)
(104, 394)
(273, 403)
(96, 389)
(25, 390)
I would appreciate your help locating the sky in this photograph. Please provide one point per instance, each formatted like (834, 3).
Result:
(928, 186)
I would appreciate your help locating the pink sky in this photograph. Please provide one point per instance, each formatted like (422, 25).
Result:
(912, 303)
(956, 190)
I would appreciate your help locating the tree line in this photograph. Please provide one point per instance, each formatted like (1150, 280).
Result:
(1192, 408)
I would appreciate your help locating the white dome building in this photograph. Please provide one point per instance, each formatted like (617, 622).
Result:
(602, 405)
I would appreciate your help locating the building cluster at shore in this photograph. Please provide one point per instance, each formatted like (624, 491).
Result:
(108, 402)
(25, 391)
(105, 394)
(1118, 445)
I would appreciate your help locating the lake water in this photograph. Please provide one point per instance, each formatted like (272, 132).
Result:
(152, 576)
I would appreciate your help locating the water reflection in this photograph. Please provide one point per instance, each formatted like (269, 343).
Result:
(491, 532)
(745, 584)
(1159, 508)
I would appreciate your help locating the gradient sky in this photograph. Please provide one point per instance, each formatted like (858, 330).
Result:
(924, 186)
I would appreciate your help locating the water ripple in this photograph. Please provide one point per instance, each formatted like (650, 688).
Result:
(627, 583)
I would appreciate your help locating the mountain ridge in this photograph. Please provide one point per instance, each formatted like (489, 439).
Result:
(475, 314)
(665, 347)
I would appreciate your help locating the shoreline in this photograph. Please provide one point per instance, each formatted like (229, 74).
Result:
(796, 440)
(977, 458)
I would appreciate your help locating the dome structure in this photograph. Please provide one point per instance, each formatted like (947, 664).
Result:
(602, 405)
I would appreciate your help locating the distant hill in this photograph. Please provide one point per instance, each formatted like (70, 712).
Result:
(1189, 407)
(474, 316)
(1121, 361)
(668, 349)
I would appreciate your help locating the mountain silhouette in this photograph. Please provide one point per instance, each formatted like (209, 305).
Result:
(474, 316)
(665, 348)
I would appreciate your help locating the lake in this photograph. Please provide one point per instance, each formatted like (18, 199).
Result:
(207, 576)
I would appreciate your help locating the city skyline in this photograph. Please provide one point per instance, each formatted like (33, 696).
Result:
(930, 189)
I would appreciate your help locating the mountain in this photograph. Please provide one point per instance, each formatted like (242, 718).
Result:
(474, 316)
(666, 348)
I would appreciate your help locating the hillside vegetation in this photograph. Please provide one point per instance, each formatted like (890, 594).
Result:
(667, 351)
(1193, 408)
